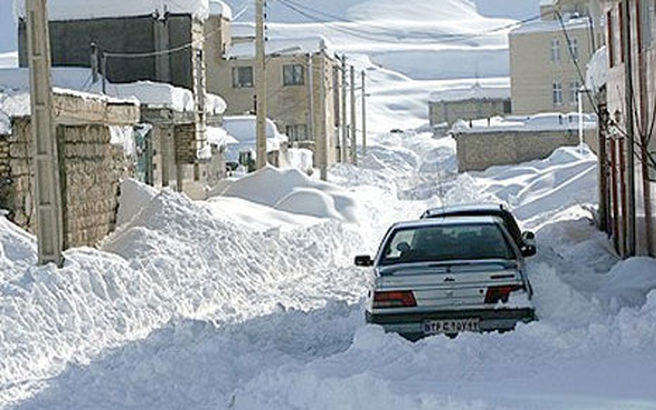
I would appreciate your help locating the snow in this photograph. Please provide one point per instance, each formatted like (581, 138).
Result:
(134, 196)
(5, 123)
(299, 45)
(301, 158)
(219, 137)
(597, 70)
(549, 26)
(538, 122)
(60, 10)
(220, 8)
(153, 94)
(242, 128)
(292, 191)
(229, 303)
(9, 59)
(474, 92)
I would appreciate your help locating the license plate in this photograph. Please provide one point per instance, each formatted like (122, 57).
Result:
(433, 327)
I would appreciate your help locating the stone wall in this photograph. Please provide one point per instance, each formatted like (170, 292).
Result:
(91, 172)
(479, 151)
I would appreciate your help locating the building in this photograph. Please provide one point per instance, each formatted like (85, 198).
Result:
(548, 57)
(624, 186)
(484, 143)
(133, 41)
(466, 103)
(303, 82)
(96, 144)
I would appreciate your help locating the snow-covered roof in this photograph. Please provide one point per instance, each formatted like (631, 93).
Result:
(299, 45)
(153, 94)
(61, 10)
(540, 122)
(475, 92)
(220, 8)
(597, 73)
(549, 26)
(242, 128)
(219, 136)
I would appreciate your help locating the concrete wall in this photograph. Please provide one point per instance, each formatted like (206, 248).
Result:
(92, 169)
(451, 111)
(70, 44)
(532, 73)
(479, 151)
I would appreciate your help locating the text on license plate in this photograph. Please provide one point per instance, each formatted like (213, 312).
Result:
(432, 327)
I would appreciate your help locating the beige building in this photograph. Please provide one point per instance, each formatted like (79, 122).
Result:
(546, 56)
(466, 103)
(303, 82)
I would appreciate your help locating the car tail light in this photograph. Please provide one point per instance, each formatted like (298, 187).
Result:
(392, 299)
(497, 294)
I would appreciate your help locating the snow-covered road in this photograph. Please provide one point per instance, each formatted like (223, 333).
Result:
(186, 307)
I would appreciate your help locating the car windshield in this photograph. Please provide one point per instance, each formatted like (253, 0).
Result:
(445, 243)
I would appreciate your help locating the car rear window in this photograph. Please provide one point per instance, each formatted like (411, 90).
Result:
(445, 243)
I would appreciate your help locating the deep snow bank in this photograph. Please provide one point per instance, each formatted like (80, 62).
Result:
(292, 191)
(174, 259)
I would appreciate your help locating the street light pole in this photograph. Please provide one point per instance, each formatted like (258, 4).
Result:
(260, 87)
(342, 151)
(47, 188)
(630, 135)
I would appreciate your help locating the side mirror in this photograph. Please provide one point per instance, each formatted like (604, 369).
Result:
(364, 261)
(528, 236)
(529, 250)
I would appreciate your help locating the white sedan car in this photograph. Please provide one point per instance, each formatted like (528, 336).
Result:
(446, 276)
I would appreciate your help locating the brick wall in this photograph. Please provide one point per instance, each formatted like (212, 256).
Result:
(477, 152)
(91, 172)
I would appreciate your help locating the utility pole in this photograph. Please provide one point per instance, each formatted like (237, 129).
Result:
(94, 63)
(260, 87)
(354, 130)
(323, 132)
(342, 150)
(364, 113)
(630, 134)
(47, 189)
(311, 127)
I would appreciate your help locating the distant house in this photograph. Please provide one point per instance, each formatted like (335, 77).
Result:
(481, 144)
(160, 41)
(544, 55)
(467, 103)
(302, 101)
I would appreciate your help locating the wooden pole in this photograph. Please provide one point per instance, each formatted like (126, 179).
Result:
(260, 87)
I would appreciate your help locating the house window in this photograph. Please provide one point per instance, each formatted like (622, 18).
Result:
(507, 107)
(555, 51)
(293, 74)
(557, 94)
(242, 77)
(574, 88)
(574, 49)
(297, 132)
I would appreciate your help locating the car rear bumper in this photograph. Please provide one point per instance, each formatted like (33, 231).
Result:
(411, 325)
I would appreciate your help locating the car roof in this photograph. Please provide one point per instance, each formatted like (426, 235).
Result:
(451, 209)
(456, 220)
